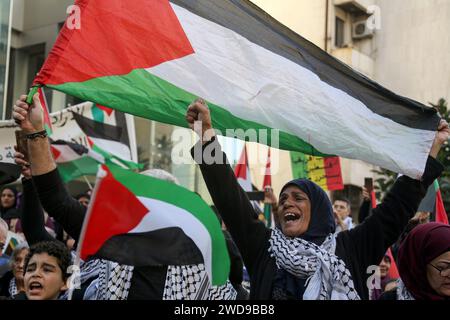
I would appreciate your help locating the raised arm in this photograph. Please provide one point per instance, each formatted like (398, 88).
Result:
(33, 221)
(383, 227)
(52, 193)
(249, 234)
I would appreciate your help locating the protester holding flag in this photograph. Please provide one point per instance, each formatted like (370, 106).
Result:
(365, 209)
(424, 264)
(304, 247)
(116, 281)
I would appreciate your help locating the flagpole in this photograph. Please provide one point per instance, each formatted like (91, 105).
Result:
(88, 183)
(101, 174)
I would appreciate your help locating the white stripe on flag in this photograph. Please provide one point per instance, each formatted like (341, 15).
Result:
(255, 84)
(165, 215)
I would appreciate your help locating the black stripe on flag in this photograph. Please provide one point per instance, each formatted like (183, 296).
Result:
(168, 246)
(95, 129)
(251, 22)
(77, 148)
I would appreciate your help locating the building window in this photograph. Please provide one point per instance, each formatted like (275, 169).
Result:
(339, 33)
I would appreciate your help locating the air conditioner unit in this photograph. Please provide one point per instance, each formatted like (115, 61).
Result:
(361, 31)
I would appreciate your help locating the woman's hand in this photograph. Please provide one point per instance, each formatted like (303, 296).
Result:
(199, 120)
(442, 135)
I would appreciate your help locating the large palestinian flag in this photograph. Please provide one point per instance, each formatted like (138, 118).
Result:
(136, 220)
(158, 56)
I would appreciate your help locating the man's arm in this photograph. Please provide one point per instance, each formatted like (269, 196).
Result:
(31, 121)
(52, 193)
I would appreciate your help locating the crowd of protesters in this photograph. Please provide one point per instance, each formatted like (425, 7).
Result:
(314, 251)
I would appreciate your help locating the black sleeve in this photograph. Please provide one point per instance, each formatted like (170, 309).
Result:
(383, 227)
(236, 264)
(249, 234)
(364, 210)
(33, 220)
(58, 203)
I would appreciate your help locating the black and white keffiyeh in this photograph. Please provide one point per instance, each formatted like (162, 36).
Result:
(12, 290)
(114, 281)
(191, 282)
(328, 277)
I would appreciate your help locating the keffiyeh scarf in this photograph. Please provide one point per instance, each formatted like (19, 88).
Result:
(191, 282)
(327, 276)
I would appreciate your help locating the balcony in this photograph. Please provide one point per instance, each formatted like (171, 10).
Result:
(355, 7)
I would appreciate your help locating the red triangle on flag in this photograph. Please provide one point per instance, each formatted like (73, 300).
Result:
(146, 34)
(268, 176)
(56, 153)
(393, 270)
(107, 110)
(240, 171)
(114, 210)
(441, 214)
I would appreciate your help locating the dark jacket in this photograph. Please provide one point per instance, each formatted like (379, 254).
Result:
(361, 247)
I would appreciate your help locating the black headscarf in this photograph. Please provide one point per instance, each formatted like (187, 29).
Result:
(322, 222)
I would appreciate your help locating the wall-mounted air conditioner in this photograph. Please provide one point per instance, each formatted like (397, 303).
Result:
(361, 31)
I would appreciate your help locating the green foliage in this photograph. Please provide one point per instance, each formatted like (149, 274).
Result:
(444, 156)
(384, 182)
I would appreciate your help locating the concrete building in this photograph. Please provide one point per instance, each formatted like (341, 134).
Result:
(406, 52)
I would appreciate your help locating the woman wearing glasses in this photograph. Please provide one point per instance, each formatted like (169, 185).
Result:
(424, 264)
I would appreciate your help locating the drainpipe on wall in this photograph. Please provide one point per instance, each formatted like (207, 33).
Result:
(327, 4)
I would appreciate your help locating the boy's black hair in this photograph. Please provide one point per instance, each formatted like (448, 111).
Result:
(52, 248)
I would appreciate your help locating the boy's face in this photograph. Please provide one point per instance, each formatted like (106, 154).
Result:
(43, 278)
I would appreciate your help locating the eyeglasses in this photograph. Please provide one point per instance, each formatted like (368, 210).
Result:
(443, 272)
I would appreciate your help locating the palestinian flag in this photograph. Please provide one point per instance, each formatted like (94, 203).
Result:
(440, 214)
(111, 157)
(112, 136)
(326, 172)
(136, 220)
(267, 176)
(242, 172)
(75, 160)
(432, 202)
(47, 121)
(255, 73)
(12, 241)
(268, 183)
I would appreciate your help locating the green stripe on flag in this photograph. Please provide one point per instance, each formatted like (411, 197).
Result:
(84, 166)
(187, 200)
(145, 95)
(109, 157)
(97, 114)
